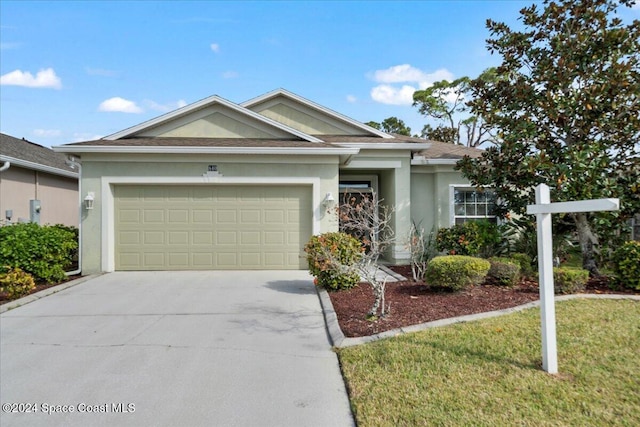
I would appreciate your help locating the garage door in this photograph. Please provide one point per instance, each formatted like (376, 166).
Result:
(211, 227)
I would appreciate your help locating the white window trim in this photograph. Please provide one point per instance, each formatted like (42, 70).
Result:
(108, 201)
(452, 203)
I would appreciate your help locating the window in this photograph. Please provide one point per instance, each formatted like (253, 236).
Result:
(470, 204)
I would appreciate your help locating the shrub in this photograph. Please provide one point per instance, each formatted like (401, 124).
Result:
(331, 256)
(626, 264)
(474, 238)
(43, 251)
(525, 263)
(456, 272)
(15, 282)
(504, 271)
(569, 280)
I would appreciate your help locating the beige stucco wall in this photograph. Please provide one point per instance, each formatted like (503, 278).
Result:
(58, 195)
(315, 171)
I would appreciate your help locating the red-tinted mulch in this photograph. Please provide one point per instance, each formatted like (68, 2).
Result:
(412, 303)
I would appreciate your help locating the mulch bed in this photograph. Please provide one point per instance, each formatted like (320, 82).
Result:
(39, 287)
(413, 302)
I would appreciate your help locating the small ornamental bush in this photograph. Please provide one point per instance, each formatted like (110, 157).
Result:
(569, 280)
(504, 271)
(15, 282)
(45, 252)
(525, 263)
(474, 238)
(331, 257)
(456, 272)
(626, 265)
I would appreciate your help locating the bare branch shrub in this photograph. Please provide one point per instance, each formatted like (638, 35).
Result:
(366, 218)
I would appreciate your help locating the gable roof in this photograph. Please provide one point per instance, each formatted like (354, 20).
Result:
(255, 104)
(205, 103)
(29, 155)
(216, 125)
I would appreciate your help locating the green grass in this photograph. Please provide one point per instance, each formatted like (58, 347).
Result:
(488, 373)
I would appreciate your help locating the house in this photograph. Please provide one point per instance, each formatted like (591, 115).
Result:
(36, 184)
(220, 185)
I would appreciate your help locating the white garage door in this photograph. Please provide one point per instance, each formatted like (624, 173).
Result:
(207, 227)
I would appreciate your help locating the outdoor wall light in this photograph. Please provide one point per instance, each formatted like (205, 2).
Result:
(88, 201)
(329, 201)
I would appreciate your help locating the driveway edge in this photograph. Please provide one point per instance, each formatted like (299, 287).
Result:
(340, 341)
(44, 293)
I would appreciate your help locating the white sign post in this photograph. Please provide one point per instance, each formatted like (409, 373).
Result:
(543, 210)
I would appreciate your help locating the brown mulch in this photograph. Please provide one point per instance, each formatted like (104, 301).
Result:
(411, 303)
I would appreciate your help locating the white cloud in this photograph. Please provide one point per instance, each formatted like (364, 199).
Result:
(121, 105)
(44, 79)
(152, 105)
(230, 75)
(409, 74)
(215, 47)
(47, 133)
(351, 99)
(386, 93)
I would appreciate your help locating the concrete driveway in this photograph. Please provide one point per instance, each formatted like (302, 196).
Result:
(173, 349)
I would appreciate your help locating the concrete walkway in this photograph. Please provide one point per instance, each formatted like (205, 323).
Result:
(173, 349)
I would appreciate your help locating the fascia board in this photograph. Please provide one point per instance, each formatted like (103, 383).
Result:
(385, 145)
(423, 161)
(313, 105)
(312, 151)
(215, 99)
(37, 166)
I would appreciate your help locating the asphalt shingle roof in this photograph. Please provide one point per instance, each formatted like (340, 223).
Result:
(32, 152)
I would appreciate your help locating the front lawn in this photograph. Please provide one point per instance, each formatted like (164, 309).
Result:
(488, 373)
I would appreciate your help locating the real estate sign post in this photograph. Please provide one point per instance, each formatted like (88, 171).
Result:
(543, 210)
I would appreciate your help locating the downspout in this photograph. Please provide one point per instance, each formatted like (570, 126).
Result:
(5, 166)
(71, 162)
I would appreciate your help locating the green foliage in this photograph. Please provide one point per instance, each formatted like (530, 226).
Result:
(456, 272)
(569, 280)
(525, 263)
(473, 238)
(46, 252)
(15, 282)
(626, 264)
(391, 125)
(330, 255)
(565, 107)
(504, 271)
(444, 101)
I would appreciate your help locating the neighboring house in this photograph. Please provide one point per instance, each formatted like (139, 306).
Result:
(219, 185)
(36, 184)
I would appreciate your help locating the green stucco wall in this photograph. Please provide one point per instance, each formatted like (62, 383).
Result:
(95, 167)
(430, 195)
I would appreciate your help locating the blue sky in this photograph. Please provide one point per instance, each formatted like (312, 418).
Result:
(73, 71)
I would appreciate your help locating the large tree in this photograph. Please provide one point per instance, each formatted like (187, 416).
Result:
(446, 102)
(565, 104)
(391, 125)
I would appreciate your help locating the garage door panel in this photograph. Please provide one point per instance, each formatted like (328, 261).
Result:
(154, 259)
(211, 227)
(203, 238)
(153, 216)
(153, 238)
